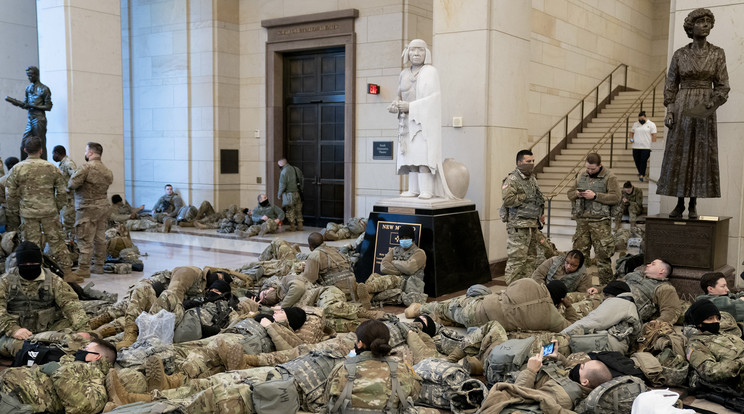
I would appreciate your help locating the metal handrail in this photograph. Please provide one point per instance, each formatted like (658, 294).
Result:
(608, 136)
(594, 91)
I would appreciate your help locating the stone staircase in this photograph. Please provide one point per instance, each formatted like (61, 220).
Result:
(622, 166)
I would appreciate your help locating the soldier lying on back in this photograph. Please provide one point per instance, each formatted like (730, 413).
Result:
(75, 384)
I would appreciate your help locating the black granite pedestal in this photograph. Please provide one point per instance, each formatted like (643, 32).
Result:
(450, 234)
(693, 246)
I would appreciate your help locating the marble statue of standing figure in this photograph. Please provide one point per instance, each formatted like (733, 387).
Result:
(419, 109)
(38, 100)
(696, 85)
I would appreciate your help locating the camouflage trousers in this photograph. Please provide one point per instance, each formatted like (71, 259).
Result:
(160, 217)
(340, 314)
(143, 224)
(141, 300)
(479, 342)
(521, 250)
(266, 227)
(294, 212)
(90, 227)
(597, 234)
(32, 387)
(67, 215)
(380, 283)
(10, 346)
(633, 210)
(461, 310)
(584, 303)
(228, 392)
(32, 229)
(341, 343)
(205, 210)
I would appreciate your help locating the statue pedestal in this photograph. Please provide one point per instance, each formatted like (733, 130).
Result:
(693, 247)
(449, 231)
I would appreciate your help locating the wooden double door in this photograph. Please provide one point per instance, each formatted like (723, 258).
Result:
(314, 130)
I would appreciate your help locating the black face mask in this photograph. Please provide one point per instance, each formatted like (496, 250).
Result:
(81, 354)
(86, 159)
(29, 272)
(713, 328)
(214, 296)
(358, 350)
(264, 203)
(642, 121)
(574, 374)
(260, 316)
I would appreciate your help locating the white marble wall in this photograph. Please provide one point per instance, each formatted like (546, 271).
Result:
(80, 60)
(19, 47)
(728, 34)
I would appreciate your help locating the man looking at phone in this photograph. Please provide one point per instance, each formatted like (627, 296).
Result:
(592, 195)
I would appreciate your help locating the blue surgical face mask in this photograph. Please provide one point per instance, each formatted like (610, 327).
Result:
(406, 243)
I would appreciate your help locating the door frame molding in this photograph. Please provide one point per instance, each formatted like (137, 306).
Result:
(306, 32)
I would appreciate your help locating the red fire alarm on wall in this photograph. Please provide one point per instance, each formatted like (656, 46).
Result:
(373, 89)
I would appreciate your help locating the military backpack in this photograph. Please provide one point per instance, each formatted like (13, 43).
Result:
(310, 373)
(448, 385)
(256, 339)
(507, 359)
(613, 397)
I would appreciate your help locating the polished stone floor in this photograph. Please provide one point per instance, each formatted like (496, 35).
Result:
(190, 246)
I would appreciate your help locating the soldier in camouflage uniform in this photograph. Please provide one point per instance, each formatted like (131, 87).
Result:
(291, 183)
(371, 387)
(631, 204)
(717, 357)
(75, 384)
(523, 305)
(91, 182)
(523, 213)
(167, 205)
(593, 195)
(326, 266)
(654, 296)
(33, 299)
(122, 212)
(68, 167)
(716, 290)
(267, 218)
(36, 192)
(400, 266)
(568, 268)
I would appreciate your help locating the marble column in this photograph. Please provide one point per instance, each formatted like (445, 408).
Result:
(482, 51)
(80, 61)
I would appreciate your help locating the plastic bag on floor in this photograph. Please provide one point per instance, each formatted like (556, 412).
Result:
(159, 325)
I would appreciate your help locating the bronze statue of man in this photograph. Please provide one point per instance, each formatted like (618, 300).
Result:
(38, 100)
(697, 84)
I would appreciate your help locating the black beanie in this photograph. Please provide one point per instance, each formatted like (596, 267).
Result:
(557, 291)
(220, 285)
(430, 328)
(28, 252)
(616, 287)
(700, 311)
(406, 232)
(296, 317)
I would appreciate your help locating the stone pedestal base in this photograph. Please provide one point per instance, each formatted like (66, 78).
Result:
(448, 231)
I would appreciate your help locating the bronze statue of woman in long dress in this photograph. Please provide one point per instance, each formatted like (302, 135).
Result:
(696, 85)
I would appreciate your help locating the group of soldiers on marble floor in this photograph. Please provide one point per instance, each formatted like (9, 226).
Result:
(225, 340)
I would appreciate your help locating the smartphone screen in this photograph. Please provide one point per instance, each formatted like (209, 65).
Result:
(548, 349)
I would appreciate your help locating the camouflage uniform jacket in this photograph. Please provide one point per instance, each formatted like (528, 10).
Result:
(283, 336)
(271, 211)
(717, 358)
(553, 269)
(654, 297)
(523, 200)
(406, 262)
(324, 260)
(35, 189)
(91, 182)
(74, 387)
(58, 298)
(68, 167)
(169, 204)
(288, 191)
(122, 212)
(372, 387)
(635, 198)
(727, 303)
(607, 195)
(612, 312)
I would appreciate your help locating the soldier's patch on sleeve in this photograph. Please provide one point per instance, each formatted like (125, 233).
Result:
(689, 353)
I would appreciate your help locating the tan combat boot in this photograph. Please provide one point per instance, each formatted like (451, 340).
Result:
(105, 331)
(157, 379)
(118, 394)
(413, 311)
(100, 320)
(167, 224)
(130, 335)
(299, 226)
(231, 355)
(200, 226)
(475, 365)
(363, 295)
(97, 269)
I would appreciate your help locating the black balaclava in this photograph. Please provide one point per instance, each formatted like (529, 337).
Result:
(28, 252)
